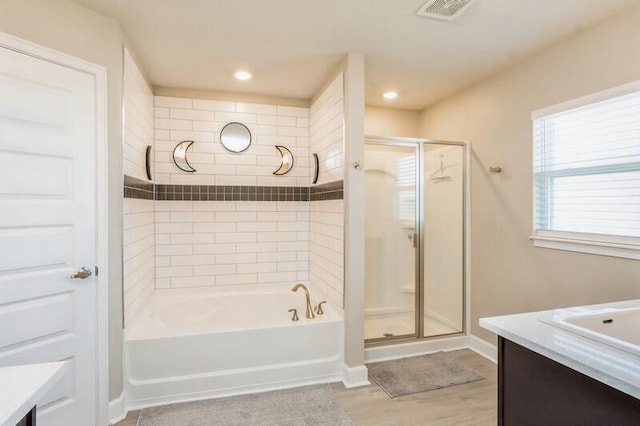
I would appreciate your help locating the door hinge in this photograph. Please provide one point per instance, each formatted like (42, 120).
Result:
(96, 269)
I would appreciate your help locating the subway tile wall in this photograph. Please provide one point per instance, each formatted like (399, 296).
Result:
(326, 216)
(326, 248)
(178, 119)
(138, 214)
(222, 243)
(327, 131)
(138, 119)
(231, 242)
(138, 255)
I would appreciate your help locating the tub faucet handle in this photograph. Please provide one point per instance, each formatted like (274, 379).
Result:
(319, 309)
(295, 314)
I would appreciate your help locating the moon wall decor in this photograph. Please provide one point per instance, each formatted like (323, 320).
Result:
(147, 162)
(287, 161)
(316, 170)
(180, 156)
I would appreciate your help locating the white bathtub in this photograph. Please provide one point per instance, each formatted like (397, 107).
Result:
(190, 344)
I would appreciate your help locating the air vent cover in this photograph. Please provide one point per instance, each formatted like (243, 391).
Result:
(444, 9)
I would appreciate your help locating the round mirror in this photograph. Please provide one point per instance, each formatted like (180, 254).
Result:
(235, 137)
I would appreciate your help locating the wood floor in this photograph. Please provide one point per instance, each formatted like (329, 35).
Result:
(470, 404)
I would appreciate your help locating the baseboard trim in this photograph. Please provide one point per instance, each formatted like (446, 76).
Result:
(353, 377)
(483, 348)
(117, 410)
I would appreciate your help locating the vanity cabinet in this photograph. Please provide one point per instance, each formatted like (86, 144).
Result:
(535, 390)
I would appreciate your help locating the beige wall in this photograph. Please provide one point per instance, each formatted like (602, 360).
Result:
(65, 26)
(390, 122)
(508, 274)
(354, 81)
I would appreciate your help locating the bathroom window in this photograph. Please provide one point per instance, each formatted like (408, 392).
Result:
(406, 195)
(586, 167)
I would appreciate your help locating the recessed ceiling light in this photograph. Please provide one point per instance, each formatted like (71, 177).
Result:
(243, 75)
(390, 95)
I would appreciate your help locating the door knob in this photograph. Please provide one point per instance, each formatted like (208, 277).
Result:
(82, 273)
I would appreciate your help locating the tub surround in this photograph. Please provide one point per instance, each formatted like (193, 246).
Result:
(617, 369)
(326, 215)
(231, 193)
(138, 206)
(138, 119)
(232, 222)
(178, 119)
(230, 240)
(327, 191)
(139, 189)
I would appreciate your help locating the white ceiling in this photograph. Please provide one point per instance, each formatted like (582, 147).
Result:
(291, 46)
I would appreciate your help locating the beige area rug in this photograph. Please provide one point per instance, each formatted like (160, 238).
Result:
(420, 374)
(310, 405)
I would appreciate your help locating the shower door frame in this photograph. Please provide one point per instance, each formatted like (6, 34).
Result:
(395, 142)
(420, 249)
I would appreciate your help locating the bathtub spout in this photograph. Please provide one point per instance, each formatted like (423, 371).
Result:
(309, 313)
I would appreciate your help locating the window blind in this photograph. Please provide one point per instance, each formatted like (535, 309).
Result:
(406, 181)
(587, 168)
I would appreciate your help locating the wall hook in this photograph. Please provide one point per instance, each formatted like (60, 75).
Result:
(495, 169)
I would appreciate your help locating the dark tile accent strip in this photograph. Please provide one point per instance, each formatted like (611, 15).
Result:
(231, 193)
(327, 191)
(138, 188)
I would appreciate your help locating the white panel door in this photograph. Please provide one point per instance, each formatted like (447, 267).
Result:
(48, 229)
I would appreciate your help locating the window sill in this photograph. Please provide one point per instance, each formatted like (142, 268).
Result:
(599, 247)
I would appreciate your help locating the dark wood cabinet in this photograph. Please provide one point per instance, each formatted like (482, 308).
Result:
(535, 390)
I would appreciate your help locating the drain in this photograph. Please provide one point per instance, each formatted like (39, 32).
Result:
(388, 334)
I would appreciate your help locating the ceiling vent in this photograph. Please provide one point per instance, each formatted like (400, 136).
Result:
(444, 9)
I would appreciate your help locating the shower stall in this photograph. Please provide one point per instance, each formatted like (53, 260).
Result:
(414, 239)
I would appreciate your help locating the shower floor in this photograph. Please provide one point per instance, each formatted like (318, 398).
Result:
(403, 323)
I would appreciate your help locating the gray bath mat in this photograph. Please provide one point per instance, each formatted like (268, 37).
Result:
(310, 405)
(420, 374)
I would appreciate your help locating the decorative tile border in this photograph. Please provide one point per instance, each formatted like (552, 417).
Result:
(327, 191)
(231, 193)
(140, 189)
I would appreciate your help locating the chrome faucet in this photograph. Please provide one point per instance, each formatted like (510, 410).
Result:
(309, 314)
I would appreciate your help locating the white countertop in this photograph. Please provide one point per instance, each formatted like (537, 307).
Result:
(22, 386)
(618, 369)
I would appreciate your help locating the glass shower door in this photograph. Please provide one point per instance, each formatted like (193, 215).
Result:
(443, 239)
(391, 244)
